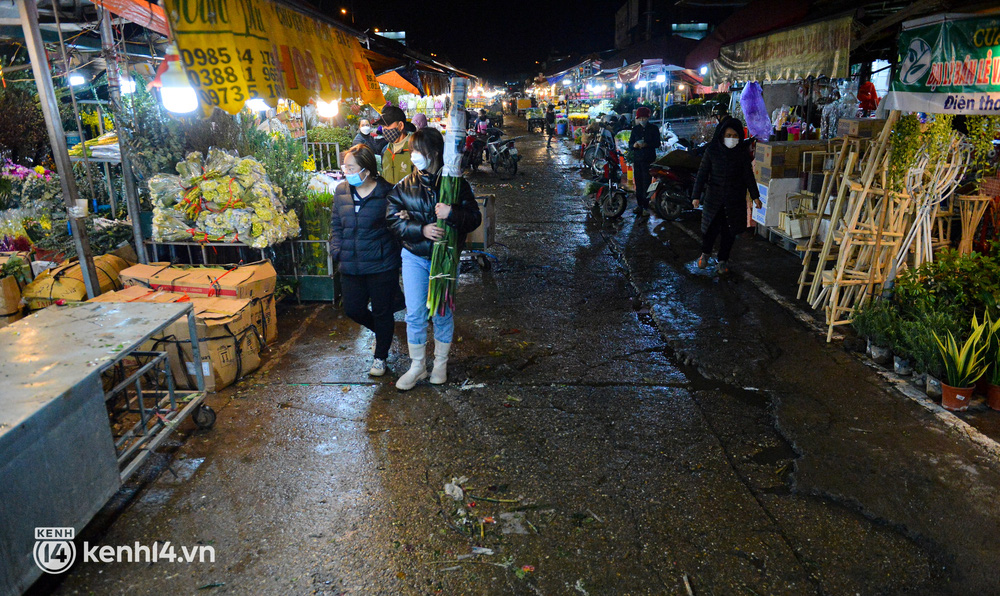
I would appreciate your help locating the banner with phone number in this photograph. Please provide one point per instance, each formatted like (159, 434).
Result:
(237, 50)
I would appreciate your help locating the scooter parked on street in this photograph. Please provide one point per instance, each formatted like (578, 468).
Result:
(502, 154)
(673, 177)
(611, 199)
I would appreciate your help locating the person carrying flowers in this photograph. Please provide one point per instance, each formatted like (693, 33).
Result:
(413, 212)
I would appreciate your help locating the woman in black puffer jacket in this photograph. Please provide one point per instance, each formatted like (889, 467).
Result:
(368, 253)
(413, 213)
(726, 175)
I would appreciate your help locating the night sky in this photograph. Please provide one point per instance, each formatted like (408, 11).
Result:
(510, 34)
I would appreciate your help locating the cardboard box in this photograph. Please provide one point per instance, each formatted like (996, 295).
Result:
(482, 237)
(774, 196)
(864, 128)
(229, 341)
(785, 153)
(66, 282)
(252, 281)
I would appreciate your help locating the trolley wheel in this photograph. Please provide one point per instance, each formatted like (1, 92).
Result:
(204, 417)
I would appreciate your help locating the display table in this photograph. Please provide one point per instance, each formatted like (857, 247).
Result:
(59, 463)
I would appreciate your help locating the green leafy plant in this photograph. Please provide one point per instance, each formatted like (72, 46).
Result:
(332, 134)
(879, 322)
(282, 161)
(963, 365)
(991, 339)
(906, 142)
(17, 268)
(917, 337)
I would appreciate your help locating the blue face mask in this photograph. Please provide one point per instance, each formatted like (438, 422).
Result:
(356, 179)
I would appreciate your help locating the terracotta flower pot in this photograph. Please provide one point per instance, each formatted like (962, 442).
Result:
(993, 396)
(956, 399)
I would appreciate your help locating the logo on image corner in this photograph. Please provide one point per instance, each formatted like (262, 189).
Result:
(54, 550)
(916, 63)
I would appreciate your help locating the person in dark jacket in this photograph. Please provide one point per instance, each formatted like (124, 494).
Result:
(413, 213)
(365, 136)
(644, 141)
(726, 176)
(368, 253)
(550, 123)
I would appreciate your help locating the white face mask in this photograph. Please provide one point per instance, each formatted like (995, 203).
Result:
(419, 161)
(731, 143)
(365, 130)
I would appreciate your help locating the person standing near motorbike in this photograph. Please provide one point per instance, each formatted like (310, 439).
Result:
(412, 214)
(396, 163)
(725, 175)
(550, 123)
(644, 141)
(368, 253)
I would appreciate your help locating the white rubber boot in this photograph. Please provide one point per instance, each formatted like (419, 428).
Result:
(418, 367)
(439, 374)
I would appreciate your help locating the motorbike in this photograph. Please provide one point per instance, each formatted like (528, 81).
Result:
(502, 154)
(611, 199)
(599, 147)
(475, 147)
(673, 177)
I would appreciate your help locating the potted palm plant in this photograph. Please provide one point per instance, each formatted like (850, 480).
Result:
(963, 366)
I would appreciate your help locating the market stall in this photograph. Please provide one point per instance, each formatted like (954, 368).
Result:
(55, 437)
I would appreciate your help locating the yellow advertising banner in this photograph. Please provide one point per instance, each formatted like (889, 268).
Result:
(810, 50)
(236, 50)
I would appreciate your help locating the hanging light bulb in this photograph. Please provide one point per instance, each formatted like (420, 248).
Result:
(257, 105)
(704, 70)
(175, 91)
(126, 85)
(661, 78)
(327, 110)
(76, 79)
(618, 85)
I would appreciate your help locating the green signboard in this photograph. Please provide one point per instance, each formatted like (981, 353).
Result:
(948, 64)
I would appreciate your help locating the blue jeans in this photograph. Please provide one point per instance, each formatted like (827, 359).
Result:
(416, 275)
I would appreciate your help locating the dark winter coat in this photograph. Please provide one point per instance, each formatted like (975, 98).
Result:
(725, 175)
(376, 145)
(651, 135)
(361, 242)
(418, 194)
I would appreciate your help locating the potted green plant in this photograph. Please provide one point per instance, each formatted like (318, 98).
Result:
(991, 339)
(963, 366)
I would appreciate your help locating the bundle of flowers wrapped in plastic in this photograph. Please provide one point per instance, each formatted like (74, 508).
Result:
(221, 198)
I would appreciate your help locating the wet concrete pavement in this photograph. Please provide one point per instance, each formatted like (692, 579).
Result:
(630, 426)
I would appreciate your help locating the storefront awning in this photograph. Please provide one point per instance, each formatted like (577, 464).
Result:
(394, 78)
(810, 50)
(140, 12)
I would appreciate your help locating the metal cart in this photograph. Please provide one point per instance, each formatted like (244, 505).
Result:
(59, 460)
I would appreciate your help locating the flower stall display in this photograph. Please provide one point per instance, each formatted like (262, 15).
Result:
(221, 198)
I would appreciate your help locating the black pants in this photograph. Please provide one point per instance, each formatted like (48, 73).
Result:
(381, 289)
(640, 172)
(719, 227)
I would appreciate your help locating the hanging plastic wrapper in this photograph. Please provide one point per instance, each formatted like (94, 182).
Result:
(755, 112)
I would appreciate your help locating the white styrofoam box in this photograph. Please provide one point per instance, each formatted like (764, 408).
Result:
(774, 196)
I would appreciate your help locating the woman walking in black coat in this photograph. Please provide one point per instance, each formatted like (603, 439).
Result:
(726, 176)
(368, 253)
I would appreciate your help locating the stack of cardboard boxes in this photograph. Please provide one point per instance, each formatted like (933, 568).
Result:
(235, 309)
